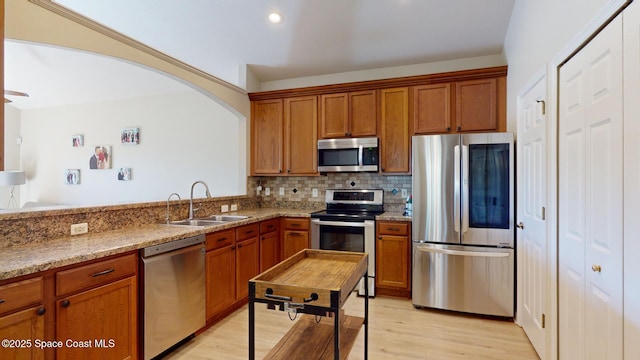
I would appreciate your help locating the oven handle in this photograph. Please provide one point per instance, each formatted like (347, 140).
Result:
(339, 223)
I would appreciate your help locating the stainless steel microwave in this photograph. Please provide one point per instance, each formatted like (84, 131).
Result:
(348, 155)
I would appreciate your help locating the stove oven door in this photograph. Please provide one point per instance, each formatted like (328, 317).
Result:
(347, 236)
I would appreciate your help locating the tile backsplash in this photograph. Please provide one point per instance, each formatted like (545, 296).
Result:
(300, 188)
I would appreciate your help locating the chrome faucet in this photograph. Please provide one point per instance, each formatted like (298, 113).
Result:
(191, 209)
(169, 198)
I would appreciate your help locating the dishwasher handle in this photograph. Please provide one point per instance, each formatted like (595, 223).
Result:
(171, 246)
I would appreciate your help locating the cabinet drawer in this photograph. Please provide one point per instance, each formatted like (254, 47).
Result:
(95, 274)
(393, 228)
(220, 239)
(20, 294)
(268, 226)
(246, 232)
(296, 223)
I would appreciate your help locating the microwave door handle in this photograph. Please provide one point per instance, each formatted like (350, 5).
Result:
(360, 156)
(465, 188)
(456, 189)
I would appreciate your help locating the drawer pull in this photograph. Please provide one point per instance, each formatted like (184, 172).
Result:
(2, 301)
(295, 225)
(269, 295)
(393, 229)
(65, 303)
(221, 239)
(313, 297)
(249, 232)
(104, 272)
(41, 311)
(239, 246)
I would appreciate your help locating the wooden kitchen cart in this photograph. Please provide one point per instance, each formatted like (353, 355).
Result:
(315, 283)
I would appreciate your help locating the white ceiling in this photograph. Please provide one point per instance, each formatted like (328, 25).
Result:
(317, 37)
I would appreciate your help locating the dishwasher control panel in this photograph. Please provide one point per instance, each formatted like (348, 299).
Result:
(171, 246)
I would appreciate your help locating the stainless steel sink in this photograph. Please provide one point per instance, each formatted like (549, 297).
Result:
(226, 218)
(197, 222)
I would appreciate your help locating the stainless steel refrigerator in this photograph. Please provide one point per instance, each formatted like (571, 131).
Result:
(463, 223)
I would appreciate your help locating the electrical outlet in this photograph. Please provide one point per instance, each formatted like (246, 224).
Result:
(224, 208)
(77, 229)
(314, 192)
(234, 207)
(404, 193)
(267, 191)
(281, 192)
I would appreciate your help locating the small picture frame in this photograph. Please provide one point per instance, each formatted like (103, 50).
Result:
(101, 157)
(124, 174)
(77, 140)
(72, 176)
(130, 136)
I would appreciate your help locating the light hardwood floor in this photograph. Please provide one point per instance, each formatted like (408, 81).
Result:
(396, 331)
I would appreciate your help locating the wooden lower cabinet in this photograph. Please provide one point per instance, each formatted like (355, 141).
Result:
(269, 244)
(393, 258)
(247, 265)
(24, 328)
(99, 323)
(221, 279)
(295, 236)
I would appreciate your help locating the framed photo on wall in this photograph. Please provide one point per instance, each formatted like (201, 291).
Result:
(124, 174)
(101, 157)
(130, 136)
(72, 176)
(77, 140)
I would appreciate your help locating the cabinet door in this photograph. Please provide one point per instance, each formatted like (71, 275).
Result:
(268, 250)
(25, 327)
(476, 105)
(221, 279)
(432, 109)
(293, 242)
(104, 317)
(334, 116)
(362, 113)
(394, 136)
(247, 265)
(392, 262)
(301, 135)
(266, 134)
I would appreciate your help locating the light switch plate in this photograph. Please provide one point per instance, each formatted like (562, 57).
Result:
(267, 191)
(224, 208)
(281, 192)
(234, 207)
(314, 192)
(404, 193)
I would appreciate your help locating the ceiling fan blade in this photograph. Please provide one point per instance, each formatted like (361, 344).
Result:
(6, 100)
(16, 93)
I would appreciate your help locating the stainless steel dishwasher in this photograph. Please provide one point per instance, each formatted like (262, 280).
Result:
(174, 293)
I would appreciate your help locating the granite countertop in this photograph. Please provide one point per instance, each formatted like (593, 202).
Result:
(29, 258)
(393, 216)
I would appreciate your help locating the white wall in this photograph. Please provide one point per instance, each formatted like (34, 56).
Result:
(11, 150)
(184, 137)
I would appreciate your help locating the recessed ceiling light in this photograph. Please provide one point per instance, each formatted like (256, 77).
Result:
(275, 18)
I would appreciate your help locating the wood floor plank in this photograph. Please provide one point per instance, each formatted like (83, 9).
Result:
(396, 331)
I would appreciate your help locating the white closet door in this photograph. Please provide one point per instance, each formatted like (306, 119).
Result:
(631, 18)
(590, 200)
(532, 194)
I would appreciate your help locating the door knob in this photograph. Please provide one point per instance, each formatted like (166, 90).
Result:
(596, 268)
(520, 225)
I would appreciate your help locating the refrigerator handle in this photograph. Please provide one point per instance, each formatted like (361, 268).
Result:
(456, 188)
(462, 252)
(465, 189)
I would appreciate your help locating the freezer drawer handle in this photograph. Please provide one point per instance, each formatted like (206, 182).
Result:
(463, 252)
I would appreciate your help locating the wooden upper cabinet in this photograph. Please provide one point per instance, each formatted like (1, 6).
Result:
(350, 114)
(301, 135)
(477, 105)
(394, 130)
(432, 109)
(266, 134)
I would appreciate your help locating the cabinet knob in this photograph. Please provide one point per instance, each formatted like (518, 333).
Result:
(239, 246)
(41, 311)
(596, 268)
(459, 128)
(380, 237)
(65, 303)
(449, 128)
